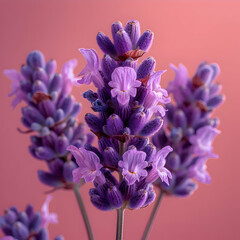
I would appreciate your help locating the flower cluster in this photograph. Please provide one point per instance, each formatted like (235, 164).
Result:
(50, 112)
(128, 102)
(189, 128)
(28, 224)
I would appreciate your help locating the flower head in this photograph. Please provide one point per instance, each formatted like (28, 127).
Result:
(124, 84)
(133, 165)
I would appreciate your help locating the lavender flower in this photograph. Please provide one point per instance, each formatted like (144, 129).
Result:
(189, 128)
(50, 112)
(128, 102)
(27, 224)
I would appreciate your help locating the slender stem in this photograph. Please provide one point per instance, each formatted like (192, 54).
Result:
(120, 218)
(152, 216)
(83, 212)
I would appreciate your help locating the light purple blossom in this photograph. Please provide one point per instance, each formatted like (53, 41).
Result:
(124, 84)
(68, 76)
(133, 165)
(91, 71)
(158, 169)
(155, 93)
(46, 216)
(199, 170)
(202, 141)
(16, 78)
(89, 165)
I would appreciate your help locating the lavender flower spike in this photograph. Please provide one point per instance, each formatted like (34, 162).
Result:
(202, 141)
(133, 165)
(89, 165)
(91, 72)
(124, 84)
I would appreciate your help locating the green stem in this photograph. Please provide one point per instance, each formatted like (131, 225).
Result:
(120, 218)
(83, 212)
(152, 216)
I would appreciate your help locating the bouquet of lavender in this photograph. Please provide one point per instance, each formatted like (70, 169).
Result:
(137, 148)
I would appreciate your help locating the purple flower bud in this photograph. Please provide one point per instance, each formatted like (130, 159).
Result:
(114, 125)
(7, 230)
(60, 237)
(59, 115)
(173, 161)
(49, 179)
(145, 41)
(122, 42)
(23, 218)
(10, 216)
(215, 101)
(47, 108)
(193, 116)
(35, 59)
(45, 153)
(138, 142)
(133, 30)
(90, 96)
(67, 104)
(31, 114)
(56, 167)
(51, 67)
(49, 122)
(100, 203)
(185, 188)
(26, 71)
(40, 75)
(39, 86)
(114, 197)
(94, 123)
(30, 211)
(147, 67)
(150, 150)
(68, 167)
(138, 199)
(202, 93)
(61, 144)
(176, 134)
(99, 106)
(116, 27)
(106, 44)
(127, 190)
(151, 127)
(56, 83)
(20, 231)
(26, 87)
(214, 89)
(108, 65)
(111, 157)
(179, 119)
(43, 234)
(136, 122)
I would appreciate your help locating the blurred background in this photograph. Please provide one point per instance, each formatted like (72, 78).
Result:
(187, 32)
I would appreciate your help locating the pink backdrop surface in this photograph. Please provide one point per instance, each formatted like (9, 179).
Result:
(186, 32)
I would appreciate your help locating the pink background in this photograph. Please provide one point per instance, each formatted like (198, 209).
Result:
(186, 32)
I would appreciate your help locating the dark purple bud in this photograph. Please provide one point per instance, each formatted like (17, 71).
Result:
(145, 41)
(108, 65)
(100, 203)
(127, 190)
(56, 167)
(114, 125)
(26, 87)
(122, 42)
(151, 127)
(106, 44)
(45, 153)
(193, 116)
(110, 179)
(40, 75)
(141, 94)
(215, 101)
(35, 59)
(170, 111)
(43, 234)
(90, 96)
(176, 134)
(173, 161)
(60, 237)
(20, 231)
(39, 86)
(49, 122)
(47, 108)
(205, 73)
(26, 71)
(99, 106)
(114, 197)
(202, 93)
(189, 132)
(133, 30)
(56, 83)
(23, 217)
(49, 179)
(214, 89)
(111, 157)
(150, 150)
(31, 114)
(67, 104)
(79, 131)
(116, 27)
(51, 67)
(94, 123)
(62, 144)
(68, 167)
(179, 119)
(185, 189)
(160, 139)
(7, 230)
(215, 69)
(90, 138)
(129, 63)
(10, 216)
(136, 122)
(59, 115)
(150, 198)
(138, 199)
(30, 211)
(138, 142)
(147, 67)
